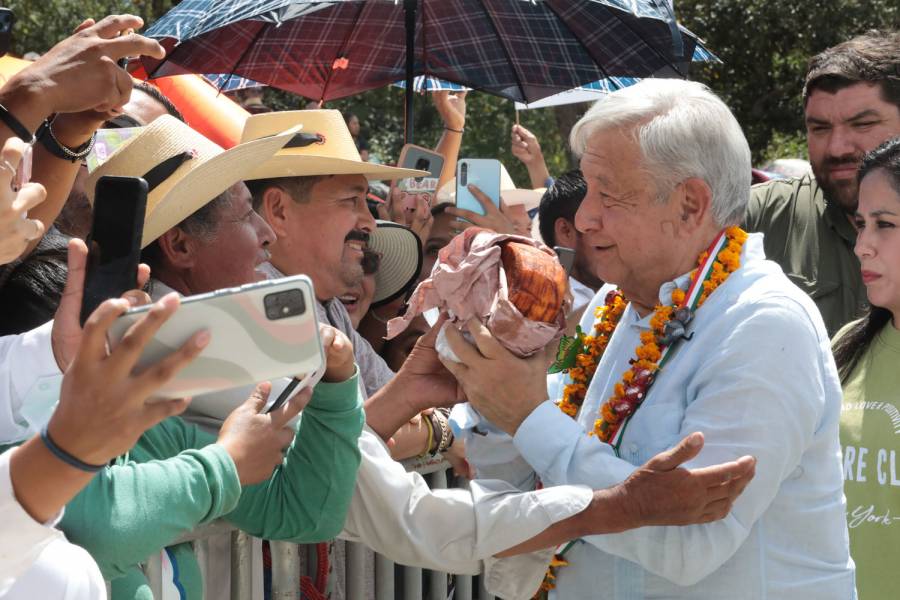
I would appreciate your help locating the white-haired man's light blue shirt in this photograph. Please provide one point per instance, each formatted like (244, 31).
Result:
(757, 378)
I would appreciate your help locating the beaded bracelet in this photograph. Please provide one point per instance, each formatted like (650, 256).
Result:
(65, 456)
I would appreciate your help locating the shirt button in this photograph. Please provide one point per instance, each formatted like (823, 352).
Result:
(632, 449)
(864, 305)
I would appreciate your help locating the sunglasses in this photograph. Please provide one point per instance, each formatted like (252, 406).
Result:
(371, 260)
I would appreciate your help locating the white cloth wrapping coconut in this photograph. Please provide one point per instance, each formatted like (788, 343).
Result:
(468, 280)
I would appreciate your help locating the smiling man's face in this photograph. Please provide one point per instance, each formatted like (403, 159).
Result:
(328, 233)
(841, 127)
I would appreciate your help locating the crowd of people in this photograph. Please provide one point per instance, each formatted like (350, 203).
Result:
(722, 443)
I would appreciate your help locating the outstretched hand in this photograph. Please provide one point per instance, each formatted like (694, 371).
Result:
(662, 492)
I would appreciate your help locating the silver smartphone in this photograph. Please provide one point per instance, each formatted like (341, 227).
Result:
(258, 332)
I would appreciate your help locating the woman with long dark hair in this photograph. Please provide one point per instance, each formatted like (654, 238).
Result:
(867, 353)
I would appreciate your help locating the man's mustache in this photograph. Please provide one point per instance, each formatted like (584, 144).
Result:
(846, 160)
(357, 235)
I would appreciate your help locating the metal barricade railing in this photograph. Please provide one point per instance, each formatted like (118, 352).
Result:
(244, 562)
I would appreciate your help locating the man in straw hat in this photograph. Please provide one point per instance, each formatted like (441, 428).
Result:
(312, 193)
(201, 234)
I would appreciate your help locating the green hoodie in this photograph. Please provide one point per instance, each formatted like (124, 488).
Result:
(177, 478)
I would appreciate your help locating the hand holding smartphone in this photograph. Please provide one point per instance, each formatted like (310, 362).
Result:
(483, 173)
(417, 157)
(258, 332)
(114, 244)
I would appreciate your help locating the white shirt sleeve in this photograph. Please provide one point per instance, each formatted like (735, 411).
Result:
(29, 383)
(23, 538)
(454, 530)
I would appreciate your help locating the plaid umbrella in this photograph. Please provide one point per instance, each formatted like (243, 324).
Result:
(597, 89)
(522, 50)
(425, 83)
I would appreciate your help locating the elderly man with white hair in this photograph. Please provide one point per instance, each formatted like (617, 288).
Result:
(705, 335)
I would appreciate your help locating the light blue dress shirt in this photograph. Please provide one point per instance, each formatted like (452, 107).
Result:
(756, 378)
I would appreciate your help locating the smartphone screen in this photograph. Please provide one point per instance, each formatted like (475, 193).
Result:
(114, 244)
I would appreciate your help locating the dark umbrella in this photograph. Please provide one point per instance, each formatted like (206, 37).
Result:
(523, 50)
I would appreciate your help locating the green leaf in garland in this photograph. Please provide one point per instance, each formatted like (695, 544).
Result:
(567, 354)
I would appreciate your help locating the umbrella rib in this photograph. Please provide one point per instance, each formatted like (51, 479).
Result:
(243, 55)
(505, 49)
(651, 46)
(587, 50)
(362, 7)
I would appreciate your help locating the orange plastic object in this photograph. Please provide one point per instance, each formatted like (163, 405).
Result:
(208, 111)
(10, 65)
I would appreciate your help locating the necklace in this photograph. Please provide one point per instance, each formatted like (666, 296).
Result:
(580, 354)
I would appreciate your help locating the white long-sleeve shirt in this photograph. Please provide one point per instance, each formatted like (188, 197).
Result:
(757, 378)
(29, 383)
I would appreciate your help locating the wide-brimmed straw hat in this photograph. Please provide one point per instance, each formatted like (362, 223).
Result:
(401, 259)
(183, 169)
(510, 194)
(323, 147)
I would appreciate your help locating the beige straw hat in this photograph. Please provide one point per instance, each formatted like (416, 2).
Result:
(323, 147)
(183, 169)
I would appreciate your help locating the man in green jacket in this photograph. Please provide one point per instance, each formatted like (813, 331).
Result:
(852, 104)
(199, 238)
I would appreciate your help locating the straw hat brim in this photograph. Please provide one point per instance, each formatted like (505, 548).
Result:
(401, 260)
(193, 184)
(285, 165)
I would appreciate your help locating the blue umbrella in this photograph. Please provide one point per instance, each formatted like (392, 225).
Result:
(517, 49)
(594, 90)
(425, 83)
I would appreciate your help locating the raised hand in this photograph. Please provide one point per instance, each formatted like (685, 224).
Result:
(16, 229)
(493, 218)
(340, 362)
(102, 409)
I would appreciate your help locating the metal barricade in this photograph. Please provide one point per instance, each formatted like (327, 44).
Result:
(391, 581)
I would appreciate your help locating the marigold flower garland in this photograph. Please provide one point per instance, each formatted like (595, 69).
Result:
(630, 392)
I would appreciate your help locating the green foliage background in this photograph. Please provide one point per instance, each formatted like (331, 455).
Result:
(764, 46)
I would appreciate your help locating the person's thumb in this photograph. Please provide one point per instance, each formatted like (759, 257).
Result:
(70, 303)
(258, 398)
(686, 449)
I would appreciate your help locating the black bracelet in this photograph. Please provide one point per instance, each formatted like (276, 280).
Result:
(65, 456)
(13, 123)
(54, 147)
(455, 130)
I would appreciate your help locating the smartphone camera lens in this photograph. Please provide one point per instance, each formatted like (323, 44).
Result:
(422, 165)
(282, 305)
(464, 174)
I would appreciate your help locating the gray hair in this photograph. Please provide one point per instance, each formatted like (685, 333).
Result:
(683, 130)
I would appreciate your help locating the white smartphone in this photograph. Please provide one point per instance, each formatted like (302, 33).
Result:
(484, 173)
(258, 332)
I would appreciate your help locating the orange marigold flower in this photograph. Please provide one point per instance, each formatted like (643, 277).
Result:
(619, 390)
(678, 296)
(628, 376)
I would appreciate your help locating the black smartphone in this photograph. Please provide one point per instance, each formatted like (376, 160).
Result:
(7, 20)
(114, 244)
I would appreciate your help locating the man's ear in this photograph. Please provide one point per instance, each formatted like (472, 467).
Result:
(274, 209)
(178, 248)
(565, 233)
(695, 203)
